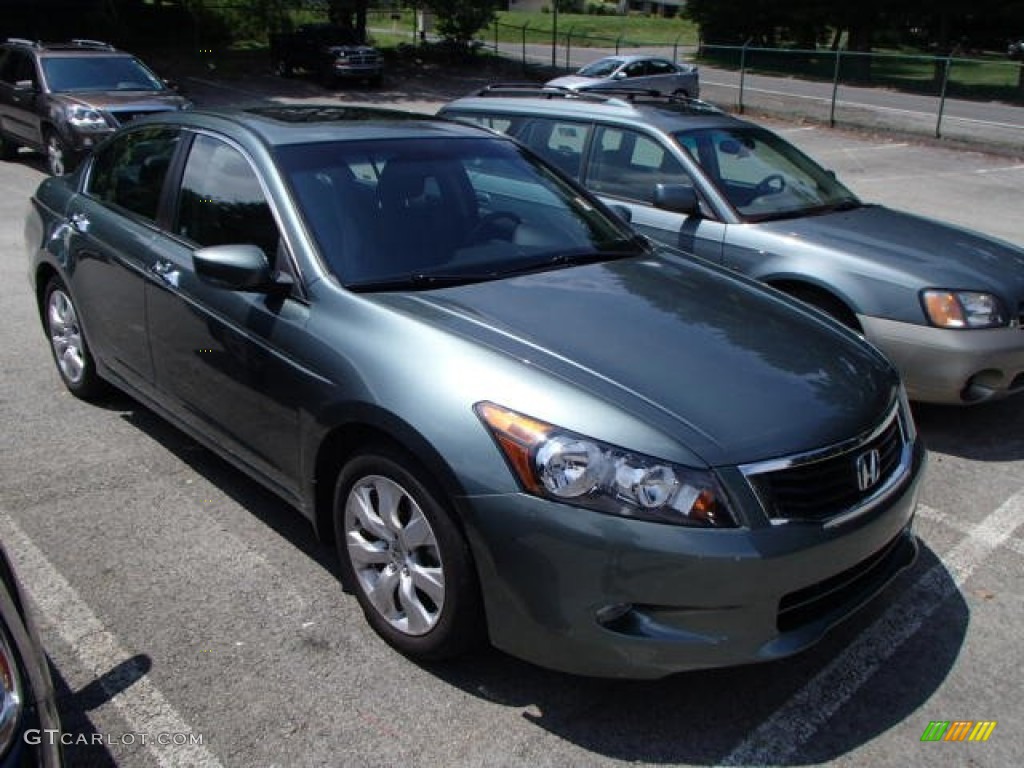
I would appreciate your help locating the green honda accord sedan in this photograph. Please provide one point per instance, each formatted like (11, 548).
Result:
(517, 420)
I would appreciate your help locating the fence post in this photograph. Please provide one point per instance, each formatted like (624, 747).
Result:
(835, 89)
(743, 73)
(554, 36)
(942, 96)
(496, 24)
(568, 47)
(617, 41)
(675, 49)
(524, 46)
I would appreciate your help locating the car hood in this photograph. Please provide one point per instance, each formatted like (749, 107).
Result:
(127, 101)
(576, 81)
(935, 254)
(734, 372)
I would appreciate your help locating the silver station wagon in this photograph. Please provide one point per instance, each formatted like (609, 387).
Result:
(946, 305)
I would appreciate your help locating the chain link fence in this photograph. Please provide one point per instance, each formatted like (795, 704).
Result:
(913, 93)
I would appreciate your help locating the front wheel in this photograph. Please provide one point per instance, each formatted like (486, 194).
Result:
(71, 353)
(406, 560)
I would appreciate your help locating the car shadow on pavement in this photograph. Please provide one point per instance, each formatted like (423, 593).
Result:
(265, 506)
(84, 745)
(985, 432)
(785, 712)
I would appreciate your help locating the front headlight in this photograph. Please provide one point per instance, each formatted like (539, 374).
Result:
(963, 309)
(86, 119)
(557, 464)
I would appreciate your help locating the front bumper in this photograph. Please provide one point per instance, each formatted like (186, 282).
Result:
(939, 365)
(605, 596)
(80, 142)
(347, 71)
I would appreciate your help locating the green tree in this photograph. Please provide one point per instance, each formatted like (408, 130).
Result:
(350, 14)
(458, 20)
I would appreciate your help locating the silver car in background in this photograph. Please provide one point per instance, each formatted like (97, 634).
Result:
(643, 72)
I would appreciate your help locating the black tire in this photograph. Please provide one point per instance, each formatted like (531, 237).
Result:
(71, 354)
(425, 599)
(8, 149)
(58, 158)
(283, 69)
(328, 79)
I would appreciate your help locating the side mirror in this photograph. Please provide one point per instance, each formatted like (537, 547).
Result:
(619, 76)
(236, 268)
(622, 212)
(25, 86)
(679, 198)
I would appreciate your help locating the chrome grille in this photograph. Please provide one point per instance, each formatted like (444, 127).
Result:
(361, 59)
(836, 482)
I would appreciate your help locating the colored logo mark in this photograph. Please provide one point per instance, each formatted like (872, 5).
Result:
(958, 730)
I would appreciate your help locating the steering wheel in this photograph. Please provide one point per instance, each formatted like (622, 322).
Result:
(499, 225)
(770, 185)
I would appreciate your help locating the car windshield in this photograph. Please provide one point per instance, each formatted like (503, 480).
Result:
(600, 68)
(418, 214)
(763, 176)
(78, 74)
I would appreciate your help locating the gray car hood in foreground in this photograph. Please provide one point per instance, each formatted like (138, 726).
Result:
(731, 371)
(929, 252)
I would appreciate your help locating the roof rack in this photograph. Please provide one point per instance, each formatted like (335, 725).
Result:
(22, 41)
(84, 42)
(619, 96)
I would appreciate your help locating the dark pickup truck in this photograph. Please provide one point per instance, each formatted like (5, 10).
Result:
(331, 53)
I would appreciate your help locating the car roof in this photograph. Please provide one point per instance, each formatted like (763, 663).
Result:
(625, 57)
(312, 123)
(626, 105)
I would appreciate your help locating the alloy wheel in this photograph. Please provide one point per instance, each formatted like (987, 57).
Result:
(394, 554)
(66, 336)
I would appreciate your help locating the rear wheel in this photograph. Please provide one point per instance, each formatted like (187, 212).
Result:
(71, 353)
(406, 560)
(282, 68)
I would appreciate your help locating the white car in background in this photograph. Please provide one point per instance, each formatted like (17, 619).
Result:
(634, 71)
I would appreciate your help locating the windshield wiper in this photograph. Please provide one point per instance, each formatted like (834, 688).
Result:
(426, 281)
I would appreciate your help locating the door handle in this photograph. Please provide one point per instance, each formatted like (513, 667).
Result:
(166, 271)
(81, 222)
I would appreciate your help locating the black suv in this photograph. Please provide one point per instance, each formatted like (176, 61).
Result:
(63, 98)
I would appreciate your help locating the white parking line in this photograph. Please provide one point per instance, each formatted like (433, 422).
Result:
(142, 706)
(798, 720)
(957, 524)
